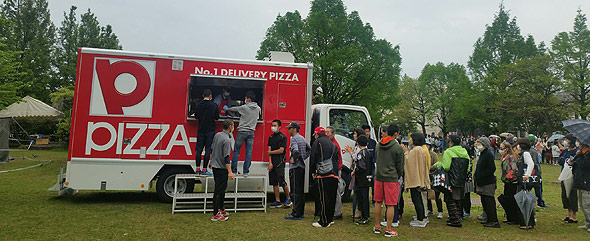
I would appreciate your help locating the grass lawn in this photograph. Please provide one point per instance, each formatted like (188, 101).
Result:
(29, 212)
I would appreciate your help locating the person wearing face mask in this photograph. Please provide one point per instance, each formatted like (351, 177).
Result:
(509, 173)
(207, 113)
(485, 181)
(416, 171)
(222, 100)
(528, 175)
(581, 171)
(277, 144)
(221, 149)
(249, 114)
(569, 202)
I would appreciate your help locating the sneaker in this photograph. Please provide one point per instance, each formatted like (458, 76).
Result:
(393, 224)
(245, 174)
(482, 218)
(440, 215)
(288, 202)
(414, 218)
(466, 215)
(223, 213)
(377, 230)
(291, 217)
(390, 233)
(362, 221)
(582, 227)
(430, 213)
(318, 225)
(218, 217)
(418, 224)
(275, 204)
(207, 173)
(199, 172)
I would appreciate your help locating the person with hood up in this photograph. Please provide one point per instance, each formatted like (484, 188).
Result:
(454, 199)
(249, 114)
(485, 181)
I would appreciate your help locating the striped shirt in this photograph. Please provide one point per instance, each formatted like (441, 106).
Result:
(299, 151)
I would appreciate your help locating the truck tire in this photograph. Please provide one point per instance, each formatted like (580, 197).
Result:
(165, 183)
(346, 177)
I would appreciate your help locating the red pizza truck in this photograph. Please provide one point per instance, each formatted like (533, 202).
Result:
(132, 125)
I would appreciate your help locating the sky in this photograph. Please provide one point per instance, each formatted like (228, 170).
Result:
(426, 31)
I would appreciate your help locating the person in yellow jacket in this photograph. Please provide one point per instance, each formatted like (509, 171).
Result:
(417, 177)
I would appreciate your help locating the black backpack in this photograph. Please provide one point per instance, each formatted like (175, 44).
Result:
(458, 172)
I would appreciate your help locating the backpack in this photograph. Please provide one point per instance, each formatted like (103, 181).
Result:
(325, 166)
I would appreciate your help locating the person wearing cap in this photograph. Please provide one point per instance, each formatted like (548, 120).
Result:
(569, 202)
(454, 199)
(485, 181)
(331, 133)
(324, 154)
(299, 151)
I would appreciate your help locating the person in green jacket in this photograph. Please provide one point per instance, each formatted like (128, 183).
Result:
(453, 199)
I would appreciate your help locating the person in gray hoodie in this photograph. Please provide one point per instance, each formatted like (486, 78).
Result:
(249, 114)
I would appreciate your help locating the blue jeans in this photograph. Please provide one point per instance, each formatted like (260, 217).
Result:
(243, 136)
(539, 194)
(204, 140)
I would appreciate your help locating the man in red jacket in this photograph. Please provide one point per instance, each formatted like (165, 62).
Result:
(330, 132)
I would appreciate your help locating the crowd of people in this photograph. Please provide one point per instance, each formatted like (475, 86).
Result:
(395, 164)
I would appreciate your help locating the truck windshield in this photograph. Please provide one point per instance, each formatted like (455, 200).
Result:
(344, 121)
(227, 91)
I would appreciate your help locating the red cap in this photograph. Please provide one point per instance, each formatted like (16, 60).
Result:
(319, 130)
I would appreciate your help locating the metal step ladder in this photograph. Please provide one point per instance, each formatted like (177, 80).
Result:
(203, 201)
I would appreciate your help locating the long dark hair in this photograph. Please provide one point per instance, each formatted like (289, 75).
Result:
(418, 139)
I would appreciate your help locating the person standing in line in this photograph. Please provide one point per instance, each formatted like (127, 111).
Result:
(439, 204)
(299, 150)
(417, 178)
(207, 113)
(221, 149)
(539, 187)
(485, 181)
(362, 172)
(390, 167)
(331, 133)
(277, 143)
(323, 164)
(353, 151)
(509, 173)
(526, 170)
(249, 114)
(569, 202)
(371, 145)
(581, 171)
(454, 198)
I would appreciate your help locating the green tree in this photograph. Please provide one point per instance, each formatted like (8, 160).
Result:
(532, 85)
(9, 65)
(417, 106)
(73, 34)
(31, 34)
(446, 84)
(63, 100)
(351, 66)
(571, 53)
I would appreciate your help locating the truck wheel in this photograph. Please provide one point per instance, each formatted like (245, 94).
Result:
(165, 184)
(346, 177)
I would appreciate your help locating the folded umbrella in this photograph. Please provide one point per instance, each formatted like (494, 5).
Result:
(526, 202)
(505, 134)
(579, 128)
(494, 136)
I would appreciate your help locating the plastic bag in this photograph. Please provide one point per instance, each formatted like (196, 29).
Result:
(566, 173)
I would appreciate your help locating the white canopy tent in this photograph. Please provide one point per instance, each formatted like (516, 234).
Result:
(28, 107)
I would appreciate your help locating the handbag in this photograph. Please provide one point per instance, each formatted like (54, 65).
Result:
(431, 194)
(440, 181)
(324, 167)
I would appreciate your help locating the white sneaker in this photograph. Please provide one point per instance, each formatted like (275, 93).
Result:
(440, 215)
(318, 225)
(393, 224)
(418, 224)
(414, 218)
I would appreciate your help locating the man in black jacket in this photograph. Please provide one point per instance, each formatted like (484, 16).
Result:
(486, 181)
(207, 113)
(324, 154)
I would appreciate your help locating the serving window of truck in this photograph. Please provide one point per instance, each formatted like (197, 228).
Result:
(227, 92)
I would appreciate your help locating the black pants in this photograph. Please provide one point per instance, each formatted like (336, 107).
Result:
(362, 196)
(489, 207)
(418, 204)
(220, 178)
(510, 206)
(297, 179)
(571, 202)
(327, 186)
(439, 205)
(204, 140)
(467, 203)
